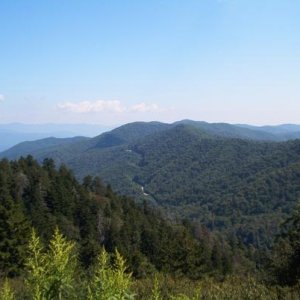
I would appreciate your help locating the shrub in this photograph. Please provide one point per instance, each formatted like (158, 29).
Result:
(110, 281)
(51, 273)
(6, 292)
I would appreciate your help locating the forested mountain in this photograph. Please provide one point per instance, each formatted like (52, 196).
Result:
(284, 129)
(206, 205)
(231, 131)
(14, 133)
(41, 197)
(229, 184)
(93, 216)
(241, 186)
(187, 258)
(75, 146)
(133, 131)
(26, 148)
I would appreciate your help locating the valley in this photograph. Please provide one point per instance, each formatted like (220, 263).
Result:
(232, 179)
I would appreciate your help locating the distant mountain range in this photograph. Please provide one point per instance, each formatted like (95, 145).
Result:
(237, 178)
(59, 135)
(283, 132)
(14, 133)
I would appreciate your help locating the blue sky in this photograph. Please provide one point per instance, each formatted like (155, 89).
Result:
(112, 62)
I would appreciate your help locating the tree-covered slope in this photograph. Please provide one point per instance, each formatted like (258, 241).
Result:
(39, 146)
(186, 260)
(225, 183)
(63, 149)
(14, 133)
(235, 185)
(93, 215)
(184, 163)
(232, 131)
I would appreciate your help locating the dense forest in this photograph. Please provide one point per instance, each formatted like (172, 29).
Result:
(87, 217)
(43, 198)
(201, 205)
(222, 176)
(229, 184)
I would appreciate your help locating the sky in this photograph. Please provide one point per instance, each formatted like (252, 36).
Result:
(115, 61)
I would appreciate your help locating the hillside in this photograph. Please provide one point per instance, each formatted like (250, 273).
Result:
(29, 147)
(75, 146)
(163, 258)
(137, 130)
(14, 133)
(228, 184)
(43, 198)
(232, 131)
(195, 170)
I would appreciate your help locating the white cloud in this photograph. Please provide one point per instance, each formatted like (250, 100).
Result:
(2, 98)
(108, 106)
(96, 106)
(143, 107)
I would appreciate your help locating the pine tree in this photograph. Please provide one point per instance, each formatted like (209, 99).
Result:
(14, 229)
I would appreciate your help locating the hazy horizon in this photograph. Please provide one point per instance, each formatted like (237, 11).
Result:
(161, 121)
(117, 125)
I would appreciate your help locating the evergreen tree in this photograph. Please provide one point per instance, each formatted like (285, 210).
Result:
(14, 230)
(285, 263)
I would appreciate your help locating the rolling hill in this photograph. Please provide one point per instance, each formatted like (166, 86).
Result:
(230, 178)
(14, 133)
(134, 131)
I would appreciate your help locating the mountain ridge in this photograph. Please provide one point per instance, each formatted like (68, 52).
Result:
(263, 133)
(213, 176)
(13, 133)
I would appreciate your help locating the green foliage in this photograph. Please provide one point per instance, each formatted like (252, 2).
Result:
(13, 225)
(155, 293)
(51, 273)
(36, 265)
(285, 261)
(233, 193)
(236, 289)
(213, 173)
(6, 292)
(232, 288)
(94, 216)
(110, 281)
